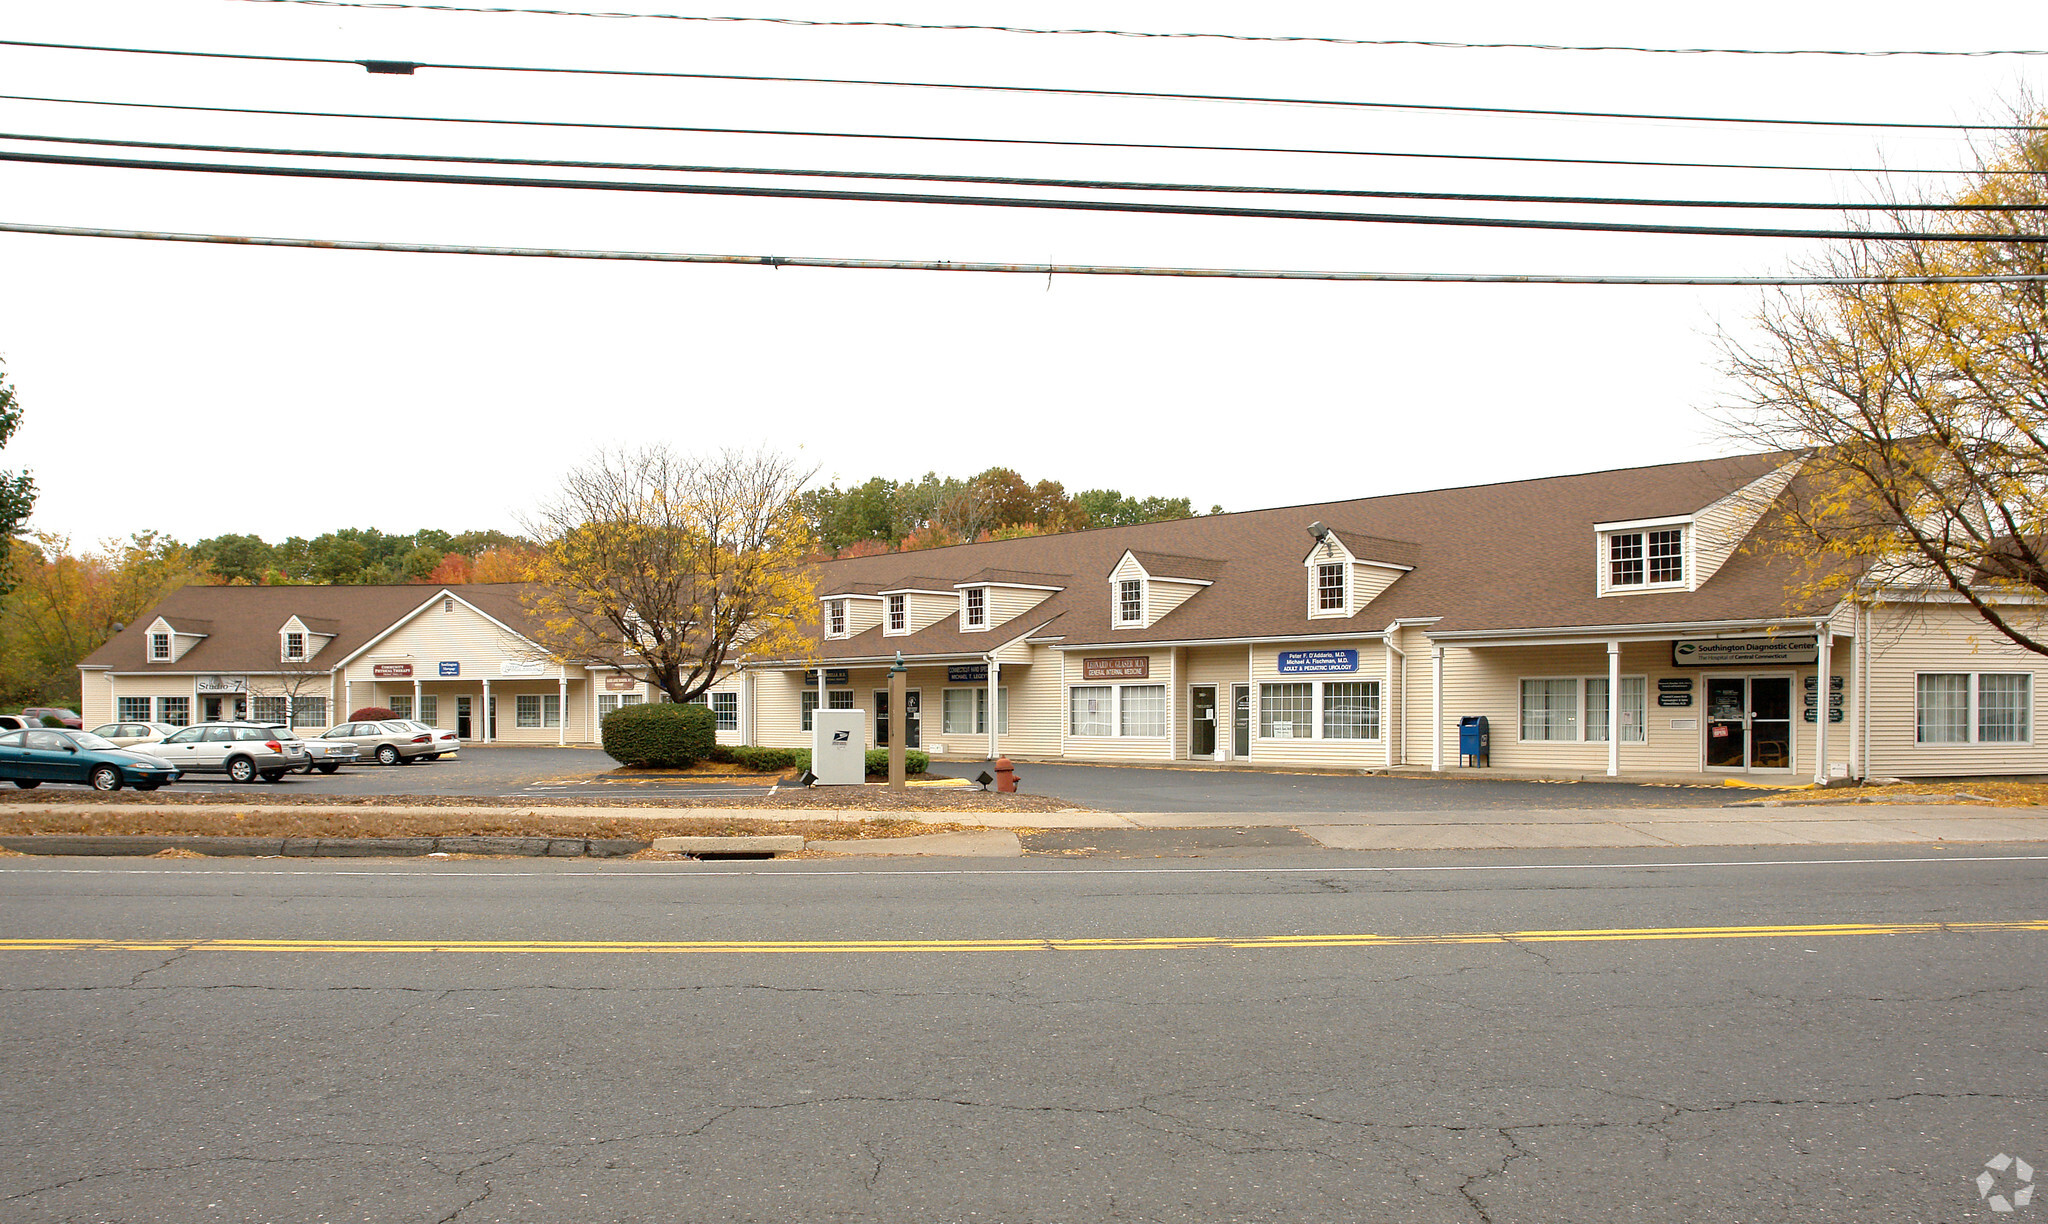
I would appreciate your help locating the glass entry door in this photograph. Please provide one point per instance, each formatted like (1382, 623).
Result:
(1241, 720)
(1749, 722)
(1202, 721)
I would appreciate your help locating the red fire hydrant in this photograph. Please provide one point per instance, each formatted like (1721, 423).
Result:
(1006, 776)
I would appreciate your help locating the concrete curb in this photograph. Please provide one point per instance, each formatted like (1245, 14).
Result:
(128, 845)
(751, 846)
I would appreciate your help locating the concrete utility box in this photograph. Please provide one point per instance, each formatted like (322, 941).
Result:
(839, 747)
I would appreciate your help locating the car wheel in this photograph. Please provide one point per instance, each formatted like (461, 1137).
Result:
(274, 775)
(241, 769)
(327, 769)
(28, 783)
(387, 755)
(105, 778)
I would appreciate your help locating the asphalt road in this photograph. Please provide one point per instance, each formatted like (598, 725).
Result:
(518, 772)
(1285, 1037)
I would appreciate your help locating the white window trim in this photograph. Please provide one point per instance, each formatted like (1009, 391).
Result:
(888, 610)
(1315, 577)
(838, 608)
(170, 645)
(288, 654)
(1315, 727)
(1116, 604)
(810, 694)
(967, 623)
(980, 704)
(1971, 714)
(1580, 698)
(1687, 553)
(1116, 711)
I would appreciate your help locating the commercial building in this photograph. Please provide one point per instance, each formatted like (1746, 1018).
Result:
(1623, 623)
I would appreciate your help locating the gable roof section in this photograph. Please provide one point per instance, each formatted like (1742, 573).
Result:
(1487, 558)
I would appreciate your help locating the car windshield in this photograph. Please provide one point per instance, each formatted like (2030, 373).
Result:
(86, 739)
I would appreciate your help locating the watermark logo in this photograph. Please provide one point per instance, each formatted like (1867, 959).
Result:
(2006, 1184)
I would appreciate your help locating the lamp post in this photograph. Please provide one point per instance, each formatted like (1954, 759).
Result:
(898, 693)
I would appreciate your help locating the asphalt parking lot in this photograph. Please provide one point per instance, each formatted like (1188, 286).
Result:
(502, 771)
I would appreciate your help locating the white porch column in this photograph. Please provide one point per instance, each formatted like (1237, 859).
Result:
(1823, 699)
(348, 697)
(562, 704)
(1436, 709)
(821, 697)
(288, 721)
(1614, 709)
(995, 707)
(485, 713)
(416, 698)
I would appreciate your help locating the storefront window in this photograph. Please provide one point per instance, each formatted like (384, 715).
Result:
(1550, 710)
(1351, 709)
(1143, 710)
(176, 711)
(1287, 711)
(402, 706)
(1089, 710)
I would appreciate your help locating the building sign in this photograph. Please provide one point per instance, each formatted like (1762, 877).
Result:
(392, 671)
(1834, 684)
(1834, 714)
(512, 667)
(1744, 652)
(1300, 661)
(967, 673)
(451, 669)
(222, 684)
(1674, 684)
(838, 675)
(1674, 700)
(620, 684)
(1122, 667)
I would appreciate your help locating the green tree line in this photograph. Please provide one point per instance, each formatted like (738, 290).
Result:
(883, 515)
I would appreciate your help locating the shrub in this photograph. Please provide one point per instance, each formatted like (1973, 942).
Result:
(768, 760)
(659, 735)
(914, 762)
(373, 714)
(51, 720)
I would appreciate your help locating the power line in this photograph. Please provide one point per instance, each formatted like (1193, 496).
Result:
(408, 67)
(1013, 181)
(1028, 269)
(995, 140)
(1112, 206)
(1273, 38)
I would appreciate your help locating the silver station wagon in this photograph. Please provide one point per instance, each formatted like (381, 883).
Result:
(242, 751)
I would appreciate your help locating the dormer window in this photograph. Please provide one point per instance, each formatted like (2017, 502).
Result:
(294, 647)
(835, 617)
(1331, 595)
(160, 647)
(1646, 558)
(976, 607)
(1130, 602)
(899, 614)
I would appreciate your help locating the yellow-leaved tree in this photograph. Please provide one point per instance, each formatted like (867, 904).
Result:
(673, 568)
(1919, 381)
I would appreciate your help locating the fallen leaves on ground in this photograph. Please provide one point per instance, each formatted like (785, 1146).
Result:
(205, 820)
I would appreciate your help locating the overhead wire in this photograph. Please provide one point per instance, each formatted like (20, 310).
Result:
(1434, 44)
(807, 133)
(1029, 269)
(1017, 181)
(409, 66)
(1110, 206)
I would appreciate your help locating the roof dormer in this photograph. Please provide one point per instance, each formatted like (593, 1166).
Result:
(1644, 555)
(1347, 570)
(167, 643)
(1145, 586)
(992, 597)
(302, 637)
(849, 613)
(915, 604)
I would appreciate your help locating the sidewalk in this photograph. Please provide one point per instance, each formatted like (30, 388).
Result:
(1523, 828)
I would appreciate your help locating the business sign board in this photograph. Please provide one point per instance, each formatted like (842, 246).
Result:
(838, 675)
(1813, 684)
(1834, 714)
(392, 671)
(451, 668)
(1296, 662)
(1674, 684)
(222, 684)
(1121, 667)
(1744, 652)
(520, 667)
(967, 673)
(620, 684)
(1674, 700)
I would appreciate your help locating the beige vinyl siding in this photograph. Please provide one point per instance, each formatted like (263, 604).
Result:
(778, 708)
(863, 614)
(1162, 597)
(1036, 706)
(96, 699)
(1367, 581)
(1264, 665)
(922, 611)
(1221, 666)
(1719, 529)
(1117, 747)
(1397, 702)
(1907, 640)
(1007, 603)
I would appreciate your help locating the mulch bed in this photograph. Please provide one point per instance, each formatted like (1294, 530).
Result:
(1946, 790)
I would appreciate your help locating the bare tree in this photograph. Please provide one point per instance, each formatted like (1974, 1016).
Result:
(668, 566)
(1924, 406)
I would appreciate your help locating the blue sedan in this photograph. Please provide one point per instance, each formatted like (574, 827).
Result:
(30, 758)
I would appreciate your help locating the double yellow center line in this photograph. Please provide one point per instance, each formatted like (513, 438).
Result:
(1168, 943)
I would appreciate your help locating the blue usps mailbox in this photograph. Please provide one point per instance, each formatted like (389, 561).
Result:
(1474, 741)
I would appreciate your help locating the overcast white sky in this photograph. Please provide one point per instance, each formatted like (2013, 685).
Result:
(203, 389)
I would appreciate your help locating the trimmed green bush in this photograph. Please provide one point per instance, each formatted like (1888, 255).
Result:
(659, 735)
(768, 760)
(914, 762)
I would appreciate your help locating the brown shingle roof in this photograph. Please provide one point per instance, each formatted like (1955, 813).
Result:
(1169, 565)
